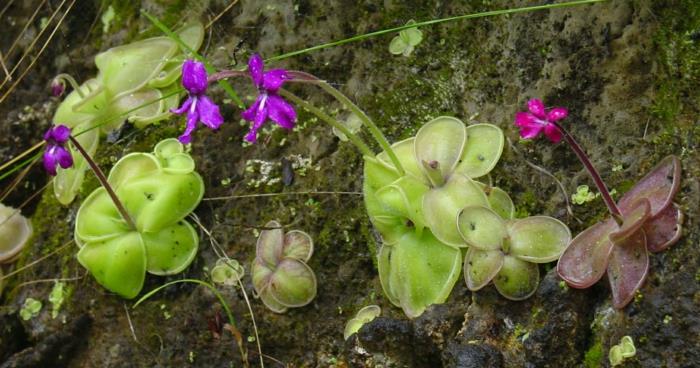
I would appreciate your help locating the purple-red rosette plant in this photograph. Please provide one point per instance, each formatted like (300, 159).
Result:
(268, 104)
(644, 220)
(651, 222)
(198, 106)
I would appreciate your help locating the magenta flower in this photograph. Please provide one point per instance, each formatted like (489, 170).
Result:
(268, 104)
(58, 86)
(538, 120)
(56, 153)
(198, 106)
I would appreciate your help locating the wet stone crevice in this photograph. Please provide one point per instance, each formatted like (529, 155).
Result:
(627, 72)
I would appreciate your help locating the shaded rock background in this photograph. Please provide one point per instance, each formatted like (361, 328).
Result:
(627, 70)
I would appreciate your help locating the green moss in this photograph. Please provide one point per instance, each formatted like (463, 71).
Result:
(594, 356)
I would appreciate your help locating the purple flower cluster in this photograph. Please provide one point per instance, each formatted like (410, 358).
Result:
(198, 106)
(538, 120)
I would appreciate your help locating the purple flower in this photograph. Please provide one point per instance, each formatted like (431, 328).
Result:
(58, 86)
(198, 106)
(56, 153)
(538, 120)
(268, 104)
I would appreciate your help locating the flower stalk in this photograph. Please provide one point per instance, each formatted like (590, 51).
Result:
(103, 181)
(604, 193)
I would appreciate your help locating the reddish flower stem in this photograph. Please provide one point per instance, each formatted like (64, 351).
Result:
(607, 198)
(103, 180)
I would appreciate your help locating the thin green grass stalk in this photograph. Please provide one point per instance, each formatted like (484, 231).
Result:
(211, 287)
(332, 122)
(431, 22)
(210, 69)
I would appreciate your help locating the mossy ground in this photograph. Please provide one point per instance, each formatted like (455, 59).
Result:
(627, 71)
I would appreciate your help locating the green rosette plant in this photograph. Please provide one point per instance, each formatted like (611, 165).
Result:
(158, 190)
(507, 250)
(416, 213)
(135, 82)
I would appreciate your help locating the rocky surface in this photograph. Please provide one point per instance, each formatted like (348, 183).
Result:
(627, 70)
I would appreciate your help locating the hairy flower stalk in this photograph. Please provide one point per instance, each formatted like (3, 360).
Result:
(57, 154)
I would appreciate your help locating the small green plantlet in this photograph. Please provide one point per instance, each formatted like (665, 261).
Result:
(281, 277)
(406, 41)
(227, 272)
(30, 309)
(364, 315)
(352, 123)
(56, 298)
(624, 350)
(137, 82)
(107, 18)
(15, 231)
(583, 195)
(158, 190)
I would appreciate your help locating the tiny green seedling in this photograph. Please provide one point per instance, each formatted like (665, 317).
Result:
(406, 41)
(363, 316)
(30, 309)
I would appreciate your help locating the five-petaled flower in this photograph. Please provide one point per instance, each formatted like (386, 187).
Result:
(538, 120)
(198, 106)
(268, 104)
(56, 153)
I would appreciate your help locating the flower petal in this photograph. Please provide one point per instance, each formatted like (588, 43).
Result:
(258, 121)
(273, 79)
(50, 161)
(209, 113)
(557, 113)
(192, 118)
(249, 113)
(281, 111)
(525, 119)
(536, 107)
(530, 132)
(184, 108)
(64, 157)
(255, 69)
(552, 132)
(60, 133)
(194, 77)
(584, 261)
(629, 263)
(664, 230)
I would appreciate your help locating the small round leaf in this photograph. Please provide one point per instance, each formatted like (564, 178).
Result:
(481, 228)
(480, 267)
(538, 239)
(517, 279)
(482, 151)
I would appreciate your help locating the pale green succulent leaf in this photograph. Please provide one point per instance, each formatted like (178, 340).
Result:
(161, 199)
(404, 151)
(377, 174)
(133, 165)
(293, 283)
(500, 202)
(481, 227)
(65, 113)
(441, 140)
(129, 67)
(98, 218)
(442, 205)
(227, 272)
(191, 35)
(172, 249)
(270, 302)
(426, 271)
(118, 264)
(482, 151)
(67, 182)
(538, 239)
(397, 45)
(298, 245)
(387, 272)
(363, 316)
(517, 279)
(403, 198)
(480, 267)
(260, 272)
(179, 163)
(270, 243)
(168, 147)
(15, 231)
(391, 228)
